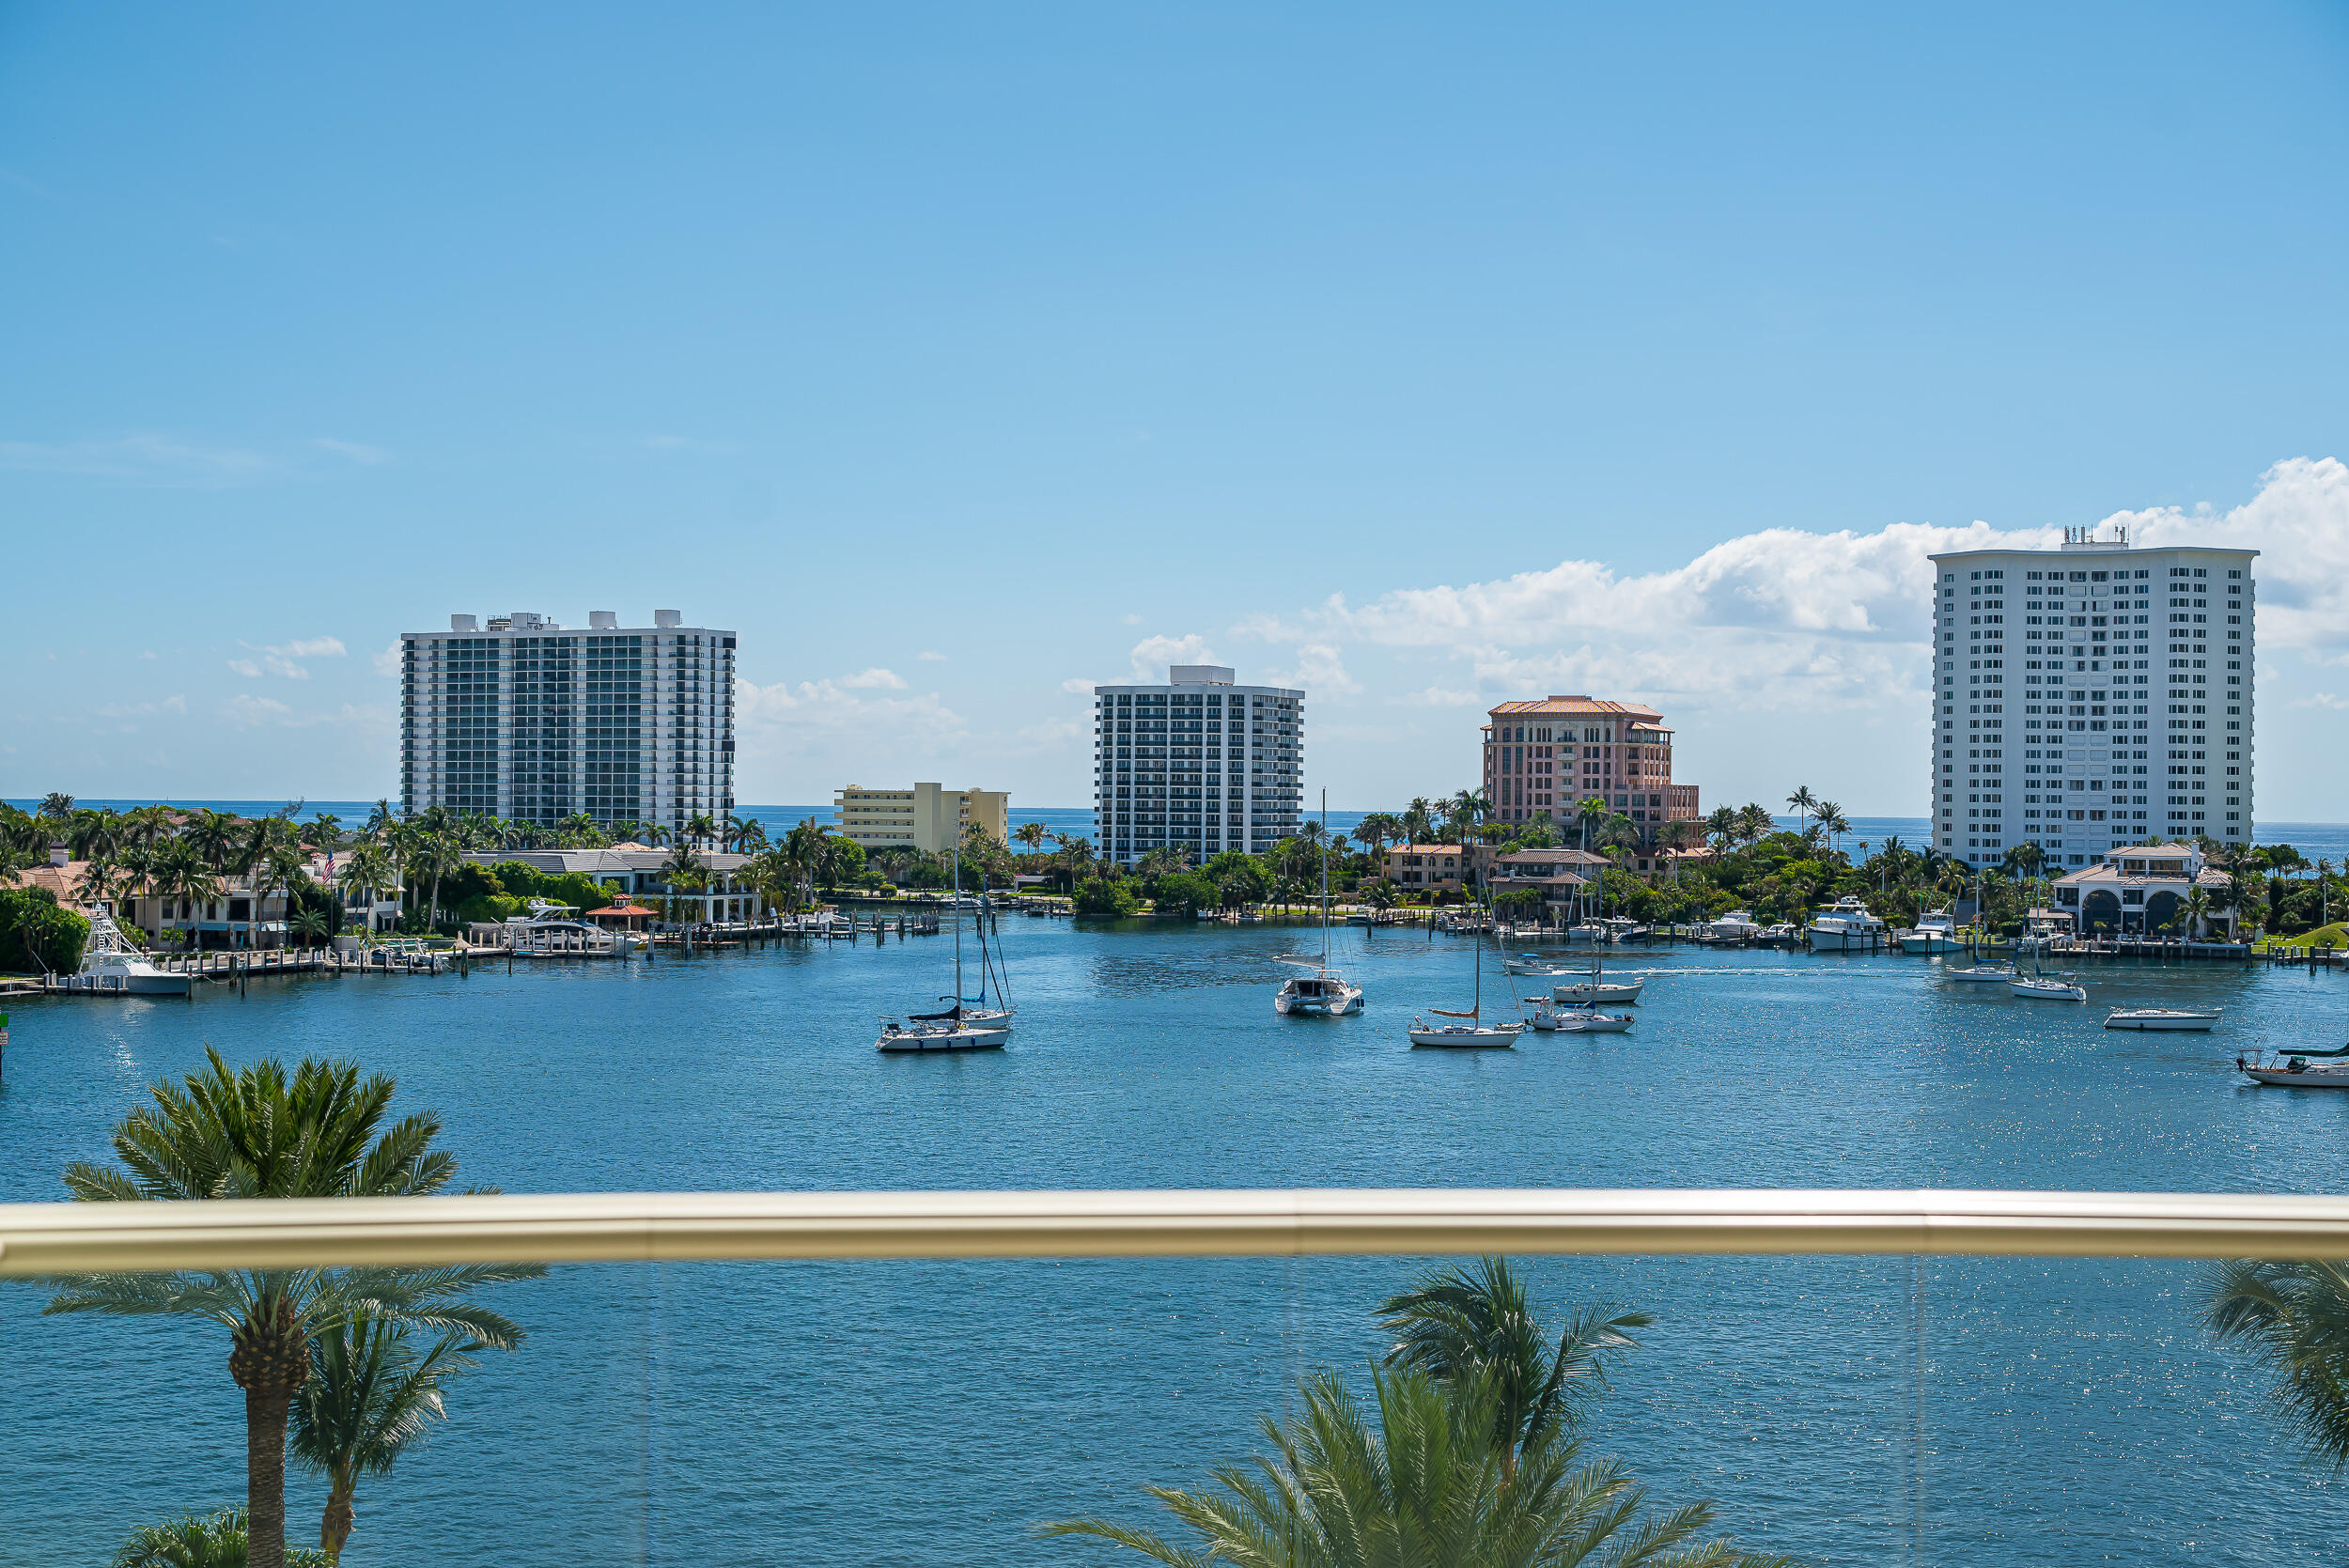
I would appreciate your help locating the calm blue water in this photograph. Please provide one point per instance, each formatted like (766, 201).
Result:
(2012, 1412)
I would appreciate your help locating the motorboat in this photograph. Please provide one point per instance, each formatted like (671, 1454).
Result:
(111, 964)
(1586, 933)
(1322, 992)
(967, 1022)
(2297, 1069)
(1577, 1020)
(2046, 988)
(1935, 932)
(1844, 926)
(1617, 928)
(1536, 964)
(1785, 934)
(1739, 926)
(2182, 1018)
(1981, 975)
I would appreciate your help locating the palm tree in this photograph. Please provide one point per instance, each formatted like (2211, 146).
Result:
(1030, 836)
(261, 1134)
(192, 1542)
(1801, 803)
(313, 925)
(1832, 819)
(1592, 811)
(1076, 855)
(1459, 1327)
(1722, 824)
(2293, 1317)
(1426, 1486)
(1754, 822)
(685, 871)
(368, 1399)
(325, 830)
(701, 828)
(2196, 911)
(2324, 891)
(1419, 821)
(744, 834)
(55, 808)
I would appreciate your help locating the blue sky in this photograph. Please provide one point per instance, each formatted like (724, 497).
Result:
(957, 357)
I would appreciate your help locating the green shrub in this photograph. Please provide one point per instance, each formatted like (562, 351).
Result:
(1101, 896)
(36, 934)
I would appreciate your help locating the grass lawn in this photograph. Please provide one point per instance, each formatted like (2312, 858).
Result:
(2335, 935)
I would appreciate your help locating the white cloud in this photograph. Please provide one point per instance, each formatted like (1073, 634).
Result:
(246, 709)
(143, 458)
(358, 452)
(1319, 671)
(139, 710)
(1788, 620)
(2321, 699)
(931, 656)
(1152, 655)
(147, 654)
(1130, 618)
(278, 659)
(875, 678)
(1082, 685)
(834, 705)
(387, 662)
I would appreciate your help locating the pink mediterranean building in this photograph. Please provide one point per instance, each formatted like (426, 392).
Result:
(1546, 757)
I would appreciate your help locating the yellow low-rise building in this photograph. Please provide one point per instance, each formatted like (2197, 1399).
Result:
(926, 816)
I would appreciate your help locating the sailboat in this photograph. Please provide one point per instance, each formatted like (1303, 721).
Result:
(2038, 987)
(1324, 992)
(1468, 1031)
(962, 1026)
(1597, 989)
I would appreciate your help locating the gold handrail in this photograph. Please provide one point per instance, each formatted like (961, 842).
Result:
(56, 1239)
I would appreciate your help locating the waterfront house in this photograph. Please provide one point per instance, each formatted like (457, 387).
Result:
(633, 872)
(2141, 890)
(1434, 867)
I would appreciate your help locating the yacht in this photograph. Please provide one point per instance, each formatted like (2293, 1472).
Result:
(1935, 932)
(2162, 1017)
(1536, 964)
(1847, 926)
(1981, 974)
(1739, 926)
(110, 963)
(1323, 992)
(967, 1023)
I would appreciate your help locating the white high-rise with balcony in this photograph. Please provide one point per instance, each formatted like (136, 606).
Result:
(526, 720)
(1199, 764)
(2090, 696)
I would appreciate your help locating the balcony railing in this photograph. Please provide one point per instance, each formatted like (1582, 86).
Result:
(55, 1238)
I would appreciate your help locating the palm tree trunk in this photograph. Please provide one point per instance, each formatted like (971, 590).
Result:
(335, 1526)
(265, 1475)
(270, 1360)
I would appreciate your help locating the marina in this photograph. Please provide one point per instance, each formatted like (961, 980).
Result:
(1146, 1056)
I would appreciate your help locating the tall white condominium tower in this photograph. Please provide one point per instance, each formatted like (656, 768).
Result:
(532, 722)
(1199, 763)
(2090, 696)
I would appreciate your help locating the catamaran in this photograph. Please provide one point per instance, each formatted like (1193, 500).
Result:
(1323, 992)
(969, 1023)
(1467, 1031)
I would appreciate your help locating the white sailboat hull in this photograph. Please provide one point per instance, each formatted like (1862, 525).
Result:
(1547, 1021)
(1604, 990)
(2046, 990)
(2163, 1018)
(1982, 975)
(1463, 1037)
(982, 1038)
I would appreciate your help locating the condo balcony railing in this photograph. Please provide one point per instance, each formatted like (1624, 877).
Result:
(37, 1239)
(843, 1376)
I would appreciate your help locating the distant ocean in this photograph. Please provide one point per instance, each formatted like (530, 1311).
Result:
(2316, 840)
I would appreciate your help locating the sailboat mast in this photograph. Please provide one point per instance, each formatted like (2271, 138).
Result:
(957, 864)
(1325, 882)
